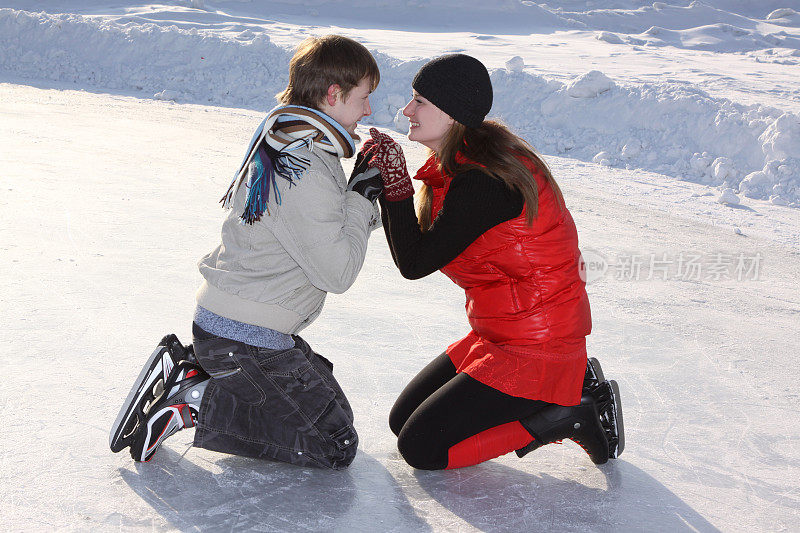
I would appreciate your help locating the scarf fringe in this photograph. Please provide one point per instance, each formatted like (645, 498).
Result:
(266, 166)
(258, 189)
(264, 162)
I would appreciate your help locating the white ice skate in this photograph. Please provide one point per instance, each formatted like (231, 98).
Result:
(146, 390)
(177, 408)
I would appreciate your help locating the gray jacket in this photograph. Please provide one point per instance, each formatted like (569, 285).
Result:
(276, 272)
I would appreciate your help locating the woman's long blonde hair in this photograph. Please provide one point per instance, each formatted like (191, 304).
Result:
(496, 151)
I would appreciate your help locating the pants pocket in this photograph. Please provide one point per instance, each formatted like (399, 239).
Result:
(229, 363)
(293, 374)
(340, 435)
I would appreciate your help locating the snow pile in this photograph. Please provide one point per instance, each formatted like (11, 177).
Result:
(746, 8)
(672, 129)
(715, 37)
(609, 37)
(728, 196)
(590, 85)
(718, 26)
(779, 177)
(635, 18)
(785, 16)
(176, 63)
(515, 64)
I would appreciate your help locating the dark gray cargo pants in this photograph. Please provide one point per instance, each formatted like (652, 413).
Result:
(283, 405)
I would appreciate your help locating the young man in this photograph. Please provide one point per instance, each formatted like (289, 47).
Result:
(297, 230)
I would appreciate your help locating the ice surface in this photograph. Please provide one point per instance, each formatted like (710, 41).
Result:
(109, 197)
(99, 241)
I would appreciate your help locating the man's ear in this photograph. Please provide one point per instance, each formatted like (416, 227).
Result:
(334, 93)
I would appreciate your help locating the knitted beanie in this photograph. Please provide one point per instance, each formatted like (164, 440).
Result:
(457, 84)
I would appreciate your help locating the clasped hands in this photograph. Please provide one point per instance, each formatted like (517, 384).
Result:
(381, 153)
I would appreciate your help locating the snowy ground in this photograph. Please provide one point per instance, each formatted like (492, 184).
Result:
(109, 198)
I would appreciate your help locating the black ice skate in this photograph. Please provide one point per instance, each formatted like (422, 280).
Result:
(595, 424)
(147, 388)
(594, 374)
(609, 407)
(175, 408)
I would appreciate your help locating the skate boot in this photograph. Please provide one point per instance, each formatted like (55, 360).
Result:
(609, 407)
(147, 389)
(595, 424)
(594, 374)
(174, 409)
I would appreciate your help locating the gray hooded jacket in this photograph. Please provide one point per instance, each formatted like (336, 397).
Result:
(276, 272)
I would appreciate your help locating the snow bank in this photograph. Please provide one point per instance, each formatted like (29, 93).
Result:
(785, 15)
(747, 8)
(187, 64)
(635, 17)
(672, 129)
(676, 130)
(715, 37)
(718, 26)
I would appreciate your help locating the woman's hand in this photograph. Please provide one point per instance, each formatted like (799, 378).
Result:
(388, 158)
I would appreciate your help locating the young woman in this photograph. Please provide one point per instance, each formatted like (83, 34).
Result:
(492, 218)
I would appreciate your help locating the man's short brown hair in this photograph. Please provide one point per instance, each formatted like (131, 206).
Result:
(320, 62)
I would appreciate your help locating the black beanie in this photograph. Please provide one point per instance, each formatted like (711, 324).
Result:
(459, 85)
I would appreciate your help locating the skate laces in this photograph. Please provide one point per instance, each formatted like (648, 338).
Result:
(182, 371)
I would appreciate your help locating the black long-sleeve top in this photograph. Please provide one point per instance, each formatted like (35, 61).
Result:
(475, 203)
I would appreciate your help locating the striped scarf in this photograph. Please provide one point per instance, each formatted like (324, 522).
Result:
(276, 150)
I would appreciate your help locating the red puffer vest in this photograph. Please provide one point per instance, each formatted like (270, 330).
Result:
(525, 300)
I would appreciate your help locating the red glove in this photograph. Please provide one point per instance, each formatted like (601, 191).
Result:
(388, 158)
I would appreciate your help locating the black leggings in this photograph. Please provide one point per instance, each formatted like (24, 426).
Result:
(440, 408)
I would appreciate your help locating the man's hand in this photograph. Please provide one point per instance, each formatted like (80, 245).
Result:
(364, 180)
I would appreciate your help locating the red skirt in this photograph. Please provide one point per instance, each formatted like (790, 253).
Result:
(551, 372)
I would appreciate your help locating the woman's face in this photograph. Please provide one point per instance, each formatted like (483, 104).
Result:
(428, 124)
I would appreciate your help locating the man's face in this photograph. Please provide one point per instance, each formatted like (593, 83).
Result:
(348, 110)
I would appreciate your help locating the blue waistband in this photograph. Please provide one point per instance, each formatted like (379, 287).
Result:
(239, 331)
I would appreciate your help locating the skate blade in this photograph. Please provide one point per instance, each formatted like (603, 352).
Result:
(124, 425)
(619, 426)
